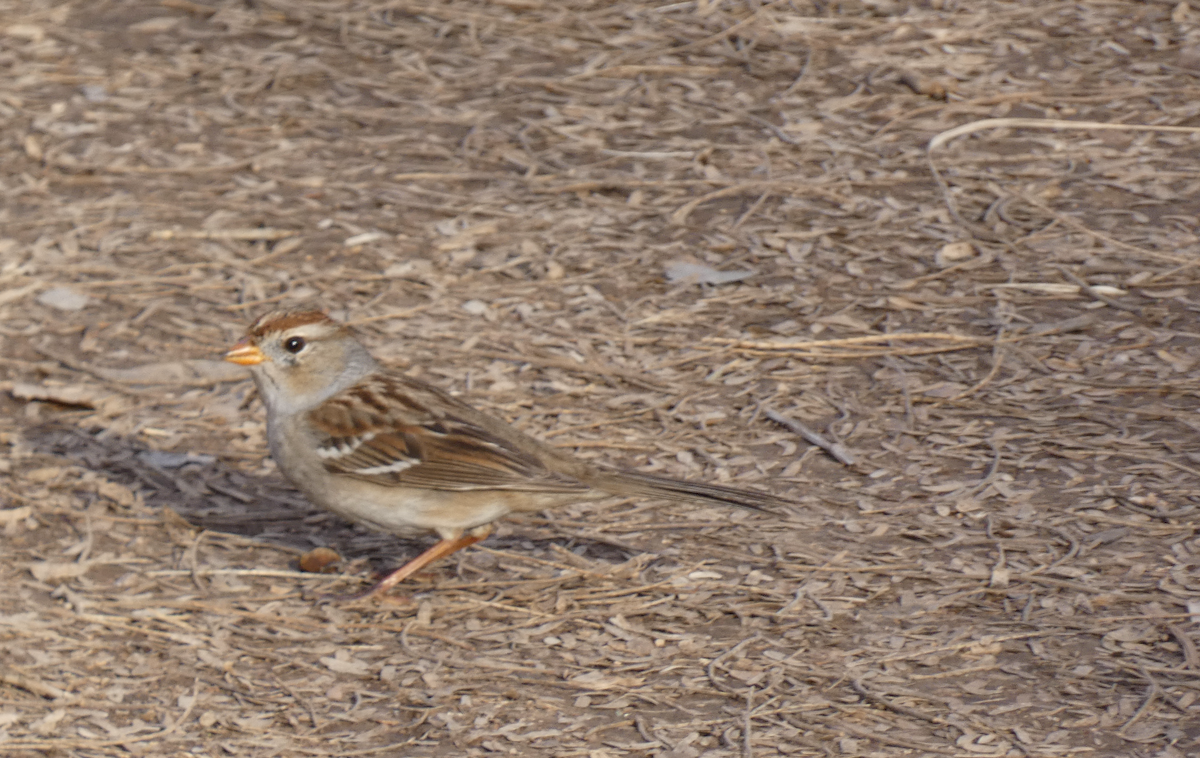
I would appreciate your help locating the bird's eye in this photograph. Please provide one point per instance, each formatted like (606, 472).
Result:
(294, 344)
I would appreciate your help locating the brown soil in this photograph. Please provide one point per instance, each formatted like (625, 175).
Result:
(493, 192)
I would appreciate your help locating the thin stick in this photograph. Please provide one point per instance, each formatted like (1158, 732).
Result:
(1050, 123)
(997, 360)
(270, 573)
(31, 685)
(1151, 696)
(858, 687)
(747, 747)
(870, 340)
(835, 449)
(1093, 292)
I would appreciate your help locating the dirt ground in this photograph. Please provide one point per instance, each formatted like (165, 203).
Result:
(635, 229)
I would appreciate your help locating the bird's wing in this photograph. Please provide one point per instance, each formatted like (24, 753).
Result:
(397, 431)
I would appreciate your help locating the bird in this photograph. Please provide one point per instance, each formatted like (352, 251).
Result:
(384, 449)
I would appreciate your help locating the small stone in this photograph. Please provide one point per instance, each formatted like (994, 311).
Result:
(954, 252)
(317, 561)
(64, 299)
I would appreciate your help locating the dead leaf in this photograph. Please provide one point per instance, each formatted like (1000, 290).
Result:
(118, 493)
(56, 571)
(343, 662)
(697, 273)
(80, 395)
(13, 515)
(44, 474)
(191, 373)
(594, 680)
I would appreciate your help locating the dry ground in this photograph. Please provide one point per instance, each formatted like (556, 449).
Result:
(493, 192)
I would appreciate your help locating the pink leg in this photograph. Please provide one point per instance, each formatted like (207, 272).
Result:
(440, 550)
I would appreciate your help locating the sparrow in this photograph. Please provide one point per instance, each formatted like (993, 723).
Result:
(392, 452)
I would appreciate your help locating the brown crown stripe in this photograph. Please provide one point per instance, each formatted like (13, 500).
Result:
(278, 321)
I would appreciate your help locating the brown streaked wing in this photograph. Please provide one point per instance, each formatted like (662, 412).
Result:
(410, 445)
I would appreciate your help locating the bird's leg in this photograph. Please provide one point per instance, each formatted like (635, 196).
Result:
(444, 547)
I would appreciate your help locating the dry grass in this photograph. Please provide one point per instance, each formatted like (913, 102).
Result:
(493, 191)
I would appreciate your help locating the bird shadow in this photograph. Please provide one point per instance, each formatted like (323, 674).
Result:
(213, 495)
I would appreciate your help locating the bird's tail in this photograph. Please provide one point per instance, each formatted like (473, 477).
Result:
(649, 485)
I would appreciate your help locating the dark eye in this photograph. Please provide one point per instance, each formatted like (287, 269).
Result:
(294, 344)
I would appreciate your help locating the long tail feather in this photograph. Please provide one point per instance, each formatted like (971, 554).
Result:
(649, 485)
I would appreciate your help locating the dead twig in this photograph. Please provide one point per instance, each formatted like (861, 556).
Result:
(858, 687)
(835, 449)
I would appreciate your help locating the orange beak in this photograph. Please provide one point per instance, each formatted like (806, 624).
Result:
(245, 354)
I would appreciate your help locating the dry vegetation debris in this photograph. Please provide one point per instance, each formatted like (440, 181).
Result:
(493, 192)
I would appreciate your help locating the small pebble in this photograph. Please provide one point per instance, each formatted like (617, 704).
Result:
(318, 560)
(64, 299)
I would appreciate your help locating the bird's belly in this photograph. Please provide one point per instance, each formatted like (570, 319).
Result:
(403, 511)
